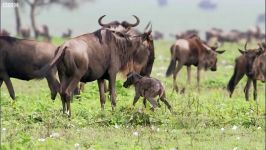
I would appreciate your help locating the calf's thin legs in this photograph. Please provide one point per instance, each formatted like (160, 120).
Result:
(177, 69)
(136, 98)
(112, 90)
(9, 85)
(255, 90)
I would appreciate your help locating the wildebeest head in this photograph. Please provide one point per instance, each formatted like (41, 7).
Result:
(258, 68)
(132, 78)
(117, 26)
(250, 55)
(210, 57)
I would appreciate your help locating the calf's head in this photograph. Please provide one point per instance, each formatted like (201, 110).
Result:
(131, 79)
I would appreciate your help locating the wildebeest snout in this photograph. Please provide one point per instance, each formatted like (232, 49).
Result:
(126, 84)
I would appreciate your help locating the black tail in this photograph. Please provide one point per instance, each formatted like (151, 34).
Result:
(237, 76)
(172, 64)
(44, 70)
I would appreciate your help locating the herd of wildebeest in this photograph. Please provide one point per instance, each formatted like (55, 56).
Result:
(118, 47)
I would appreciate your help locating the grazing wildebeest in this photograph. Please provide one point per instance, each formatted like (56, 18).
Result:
(25, 32)
(95, 56)
(243, 65)
(147, 87)
(67, 34)
(22, 59)
(191, 51)
(44, 32)
(4, 32)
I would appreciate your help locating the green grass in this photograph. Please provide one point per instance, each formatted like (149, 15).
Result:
(196, 123)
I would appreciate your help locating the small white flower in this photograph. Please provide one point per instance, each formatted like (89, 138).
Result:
(259, 128)
(54, 135)
(77, 146)
(238, 138)
(235, 148)
(116, 126)
(234, 127)
(158, 129)
(3, 129)
(152, 128)
(41, 140)
(222, 129)
(174, 148)
(135, 133)
(251, 111)
(127, 126)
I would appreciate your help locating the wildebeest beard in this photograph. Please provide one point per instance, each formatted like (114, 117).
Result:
(124, 42)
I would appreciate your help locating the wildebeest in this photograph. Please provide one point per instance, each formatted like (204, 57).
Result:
(259, 65)
(138, 62)
(4, 32)
(44, 32)
(243, 65)
(95, 56)
(22, 59)
(25, 32)
(147, 87)
(191, 51)
(67, 34)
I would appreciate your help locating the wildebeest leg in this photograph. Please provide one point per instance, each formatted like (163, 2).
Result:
(198, 78)
(188, 74)
(255, 90)
(112, 90)
(177, 69)
(153, 102)
(163, 99)
(145, 102)
(69, 91)
(9, 85)
(246, 89)
(136, 98)
(53, 85)
(101, 91)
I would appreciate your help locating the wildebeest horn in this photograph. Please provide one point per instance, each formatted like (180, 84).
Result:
(245, 47)
(147, 26)
(100, 21)
(135, 24)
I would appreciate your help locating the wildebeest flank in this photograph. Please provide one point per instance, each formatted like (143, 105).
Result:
(147, 87)
(22, 59)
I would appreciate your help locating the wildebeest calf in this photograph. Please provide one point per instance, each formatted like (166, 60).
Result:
(147, 87)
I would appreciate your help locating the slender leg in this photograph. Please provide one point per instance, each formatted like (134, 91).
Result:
(53, 85)
(145, 102)
(188, 74)
(153, 102)
(112, 90)
(198, 78)
(246, 89)
(255, 90)
(177, 69)
(163, 99)
(9, 85)
(101, 90)
(69, 91)
(136, 98)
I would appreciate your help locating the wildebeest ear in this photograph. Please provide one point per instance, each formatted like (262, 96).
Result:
(241, 51)
(220, 52)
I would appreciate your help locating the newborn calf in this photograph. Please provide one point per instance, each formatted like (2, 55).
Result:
(147, 87)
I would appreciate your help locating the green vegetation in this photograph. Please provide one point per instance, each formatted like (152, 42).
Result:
(205, 120)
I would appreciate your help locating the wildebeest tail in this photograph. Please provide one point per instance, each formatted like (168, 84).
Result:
(44, 70)
(172, 64)
(234, 80)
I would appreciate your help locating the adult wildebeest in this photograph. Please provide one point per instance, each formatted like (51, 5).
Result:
(95, 56)
(67, 34)
(22, 59)
(147, 87)
(191, 51)
(138, 62)
(259, 65)
(243, 65)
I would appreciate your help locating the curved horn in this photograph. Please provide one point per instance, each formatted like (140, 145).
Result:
(245, 47)
(100, 21)
(147, 26)
(135, 24)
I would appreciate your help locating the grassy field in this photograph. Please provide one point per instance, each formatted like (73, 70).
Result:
(202, 121)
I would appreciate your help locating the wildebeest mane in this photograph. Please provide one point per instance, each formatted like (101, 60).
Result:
(9, 40)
